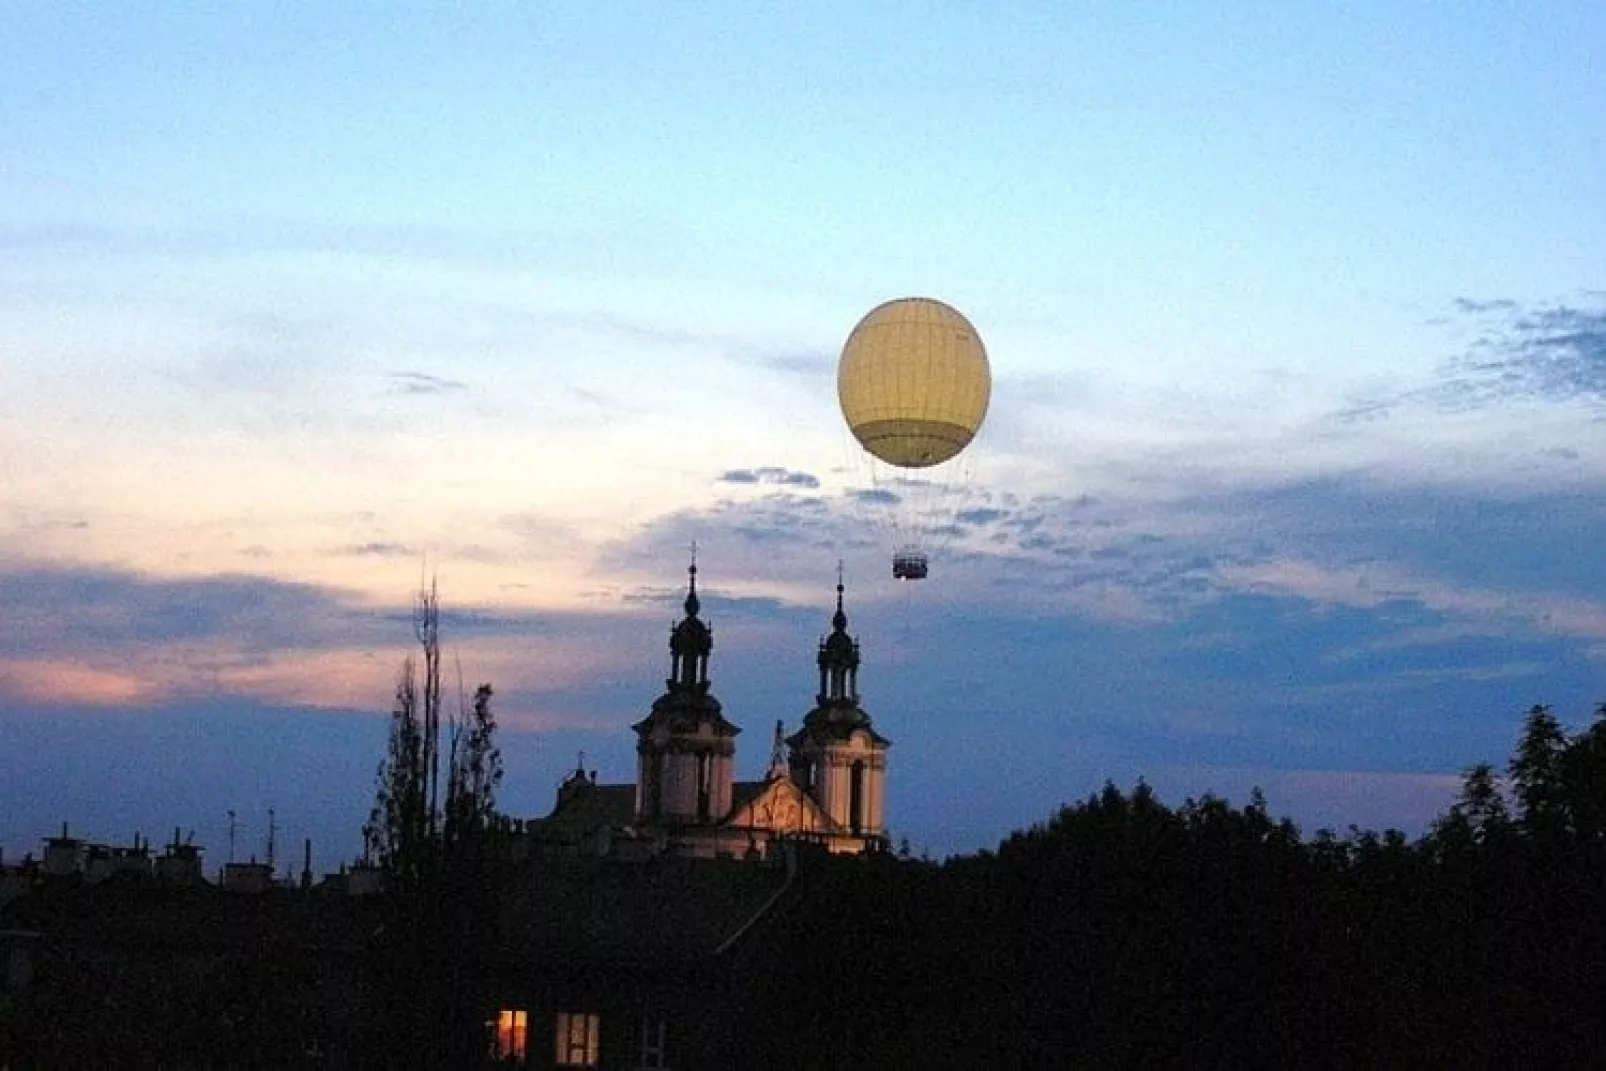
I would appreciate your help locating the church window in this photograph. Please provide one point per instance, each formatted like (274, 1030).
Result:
(856, 799)
(655, 787)
(511, 1032)
(705, 785)
(579, 1039)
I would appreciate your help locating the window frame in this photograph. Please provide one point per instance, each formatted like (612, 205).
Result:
(510, 1036)
(583, 1049)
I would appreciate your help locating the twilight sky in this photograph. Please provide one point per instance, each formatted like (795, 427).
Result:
(1292, 476)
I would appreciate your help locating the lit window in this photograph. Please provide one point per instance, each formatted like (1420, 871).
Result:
(579, 1039)
(512, 1030)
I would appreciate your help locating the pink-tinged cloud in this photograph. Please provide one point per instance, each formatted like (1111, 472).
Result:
(366, 680)
(58, 683)
(530, 716)
(343, 680)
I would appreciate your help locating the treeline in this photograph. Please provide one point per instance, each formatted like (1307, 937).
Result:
(1123, 932)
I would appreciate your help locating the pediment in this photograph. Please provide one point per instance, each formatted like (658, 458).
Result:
(781, 807)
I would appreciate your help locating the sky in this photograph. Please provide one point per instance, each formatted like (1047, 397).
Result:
(1291, 477)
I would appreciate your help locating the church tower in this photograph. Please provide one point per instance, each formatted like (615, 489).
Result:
(685, 748)
(837, 757)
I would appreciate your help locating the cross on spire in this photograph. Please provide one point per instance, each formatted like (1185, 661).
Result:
(839, 620)
(692, 603)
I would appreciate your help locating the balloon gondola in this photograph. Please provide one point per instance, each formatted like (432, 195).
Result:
(909, 563)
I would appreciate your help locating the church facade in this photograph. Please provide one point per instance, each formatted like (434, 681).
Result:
(825, 784)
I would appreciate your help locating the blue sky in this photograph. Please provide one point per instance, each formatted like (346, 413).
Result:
(1297, 318)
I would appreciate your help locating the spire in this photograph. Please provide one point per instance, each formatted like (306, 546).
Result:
(778, 764)
(839, 620)
(692, 605)
(691, 640)
(839, 656)
(685, 745)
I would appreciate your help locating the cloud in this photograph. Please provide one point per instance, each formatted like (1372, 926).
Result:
(773, 475)
(423, 383)
(1435, 570)
(66, 608)
(769, 541)
(103, 637)
(1376, 585)
(53, 681)
(379, 550)
(77, 524)
(1474, 306)
(1545, 353)
(810, 365)
(1556, 353)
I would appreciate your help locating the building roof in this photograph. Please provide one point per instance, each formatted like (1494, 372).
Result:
(664, 908)
(836, 720)
(584, 806)
(144, 915)
(745, 792)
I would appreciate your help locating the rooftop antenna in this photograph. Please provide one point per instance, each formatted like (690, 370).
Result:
(231, 835)
(273, 830)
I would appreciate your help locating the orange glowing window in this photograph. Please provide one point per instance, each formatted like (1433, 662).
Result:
(512, 1031)
(579, 1040)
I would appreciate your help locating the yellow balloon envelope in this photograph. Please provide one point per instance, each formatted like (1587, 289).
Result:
(914, 382)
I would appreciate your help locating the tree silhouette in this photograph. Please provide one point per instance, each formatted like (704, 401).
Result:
(1479, 817)
(438, 857)
(1583, 776)
(1537, 776)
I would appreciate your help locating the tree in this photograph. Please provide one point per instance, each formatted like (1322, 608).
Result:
(1583, 777)
(1536, 774)
(1483, 804)
(395, 836)
(411, 832)
(475, 772)
(437, 856)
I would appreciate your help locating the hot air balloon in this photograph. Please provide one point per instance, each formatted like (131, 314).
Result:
(914, 383)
